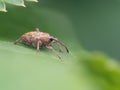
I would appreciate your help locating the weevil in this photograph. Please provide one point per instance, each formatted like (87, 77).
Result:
(38, 39)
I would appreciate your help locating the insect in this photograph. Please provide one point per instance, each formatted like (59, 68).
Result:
(39, 39)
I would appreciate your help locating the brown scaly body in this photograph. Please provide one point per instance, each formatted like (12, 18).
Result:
(38, 39)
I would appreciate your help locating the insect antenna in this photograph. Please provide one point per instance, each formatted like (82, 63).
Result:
(62, 44)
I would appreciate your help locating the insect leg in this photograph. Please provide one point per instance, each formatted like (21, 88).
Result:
(52, 49)
(39, 43)
(58, 45)
(18, 40)
(62, 44)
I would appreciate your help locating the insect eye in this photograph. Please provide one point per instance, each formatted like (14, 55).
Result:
(50, 39)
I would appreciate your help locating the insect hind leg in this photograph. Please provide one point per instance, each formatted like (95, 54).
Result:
(18, 40)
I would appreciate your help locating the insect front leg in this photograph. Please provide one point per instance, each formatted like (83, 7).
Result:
(51, 44)
(59, 47)
(52, 49)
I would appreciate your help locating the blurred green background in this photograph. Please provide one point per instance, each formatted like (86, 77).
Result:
(85, 26)
(95, 23)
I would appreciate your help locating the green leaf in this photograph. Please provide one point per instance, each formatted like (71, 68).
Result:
(16, 2)
(2, 6)
(104, 71)
(32, 0)
(25, 69)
